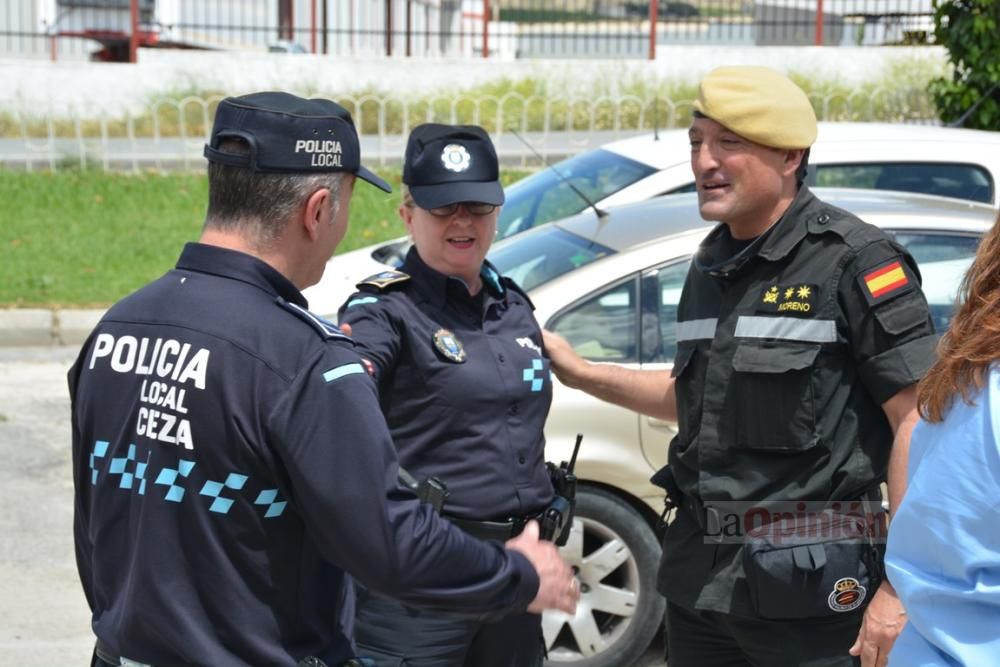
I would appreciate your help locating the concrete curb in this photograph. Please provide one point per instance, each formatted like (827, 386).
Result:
(21, 327)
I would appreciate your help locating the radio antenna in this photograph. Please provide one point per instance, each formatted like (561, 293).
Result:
(601, 214)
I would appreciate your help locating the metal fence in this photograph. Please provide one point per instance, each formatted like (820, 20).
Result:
(114, 29)
(170, 134)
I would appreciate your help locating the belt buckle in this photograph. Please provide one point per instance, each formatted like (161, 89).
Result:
(125, 662)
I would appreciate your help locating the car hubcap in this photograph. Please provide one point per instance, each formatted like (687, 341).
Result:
(609, 582)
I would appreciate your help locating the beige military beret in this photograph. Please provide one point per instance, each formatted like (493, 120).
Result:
(759, 104)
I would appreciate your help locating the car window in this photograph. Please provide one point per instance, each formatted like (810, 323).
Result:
(544, 196)
(602, 327)
(690, 187)
(544, 255)
(962, 181)
(943, 259)
(661, 292)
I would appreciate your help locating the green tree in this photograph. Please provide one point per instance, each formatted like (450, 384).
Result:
(970, 30)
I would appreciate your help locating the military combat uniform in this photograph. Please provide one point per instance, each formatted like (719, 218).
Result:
(787, 350)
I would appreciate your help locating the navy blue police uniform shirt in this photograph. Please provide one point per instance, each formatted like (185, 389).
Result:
(463, 383)
(231, 463)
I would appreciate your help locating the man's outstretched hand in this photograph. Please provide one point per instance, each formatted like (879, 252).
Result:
(557, 584)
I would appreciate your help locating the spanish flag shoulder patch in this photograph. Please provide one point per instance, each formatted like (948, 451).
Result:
(887, 280)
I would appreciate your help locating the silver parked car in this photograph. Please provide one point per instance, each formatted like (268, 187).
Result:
(611, 287)
(964, 164)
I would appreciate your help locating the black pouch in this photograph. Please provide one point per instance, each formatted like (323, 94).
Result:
(830, 569)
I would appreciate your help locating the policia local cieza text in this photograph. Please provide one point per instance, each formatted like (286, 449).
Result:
(172, 367)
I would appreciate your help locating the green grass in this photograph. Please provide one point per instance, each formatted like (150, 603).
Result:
(87, 238)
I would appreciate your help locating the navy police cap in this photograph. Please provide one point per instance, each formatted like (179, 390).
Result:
(289, 134)
(447, 164)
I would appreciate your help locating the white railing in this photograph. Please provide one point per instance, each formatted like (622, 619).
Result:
(171, 133)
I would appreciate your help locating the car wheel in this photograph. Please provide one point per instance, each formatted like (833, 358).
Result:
(615, 554)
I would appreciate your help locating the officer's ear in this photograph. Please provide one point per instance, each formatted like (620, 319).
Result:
(406, 214)
(793, 158)
(317, 212)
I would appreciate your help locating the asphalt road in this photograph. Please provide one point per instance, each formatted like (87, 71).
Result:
(44, 618)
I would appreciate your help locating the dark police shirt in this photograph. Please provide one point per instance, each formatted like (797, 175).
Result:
(231, 466)
(472, 418)
(786, 353)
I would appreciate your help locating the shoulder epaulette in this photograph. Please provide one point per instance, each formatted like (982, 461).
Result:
(324, 327)
(854, 231)
(380, 281)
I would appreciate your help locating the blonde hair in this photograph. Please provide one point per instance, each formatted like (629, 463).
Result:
(407, 197)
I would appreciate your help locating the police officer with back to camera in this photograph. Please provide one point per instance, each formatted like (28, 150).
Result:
(801, 334)
(231, 463)
(464, 385)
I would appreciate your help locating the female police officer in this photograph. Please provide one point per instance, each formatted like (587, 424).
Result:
(465, 389)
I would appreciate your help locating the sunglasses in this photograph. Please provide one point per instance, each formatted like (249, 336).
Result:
(474, 208)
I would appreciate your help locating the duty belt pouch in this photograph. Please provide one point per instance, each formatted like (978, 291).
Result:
(827, 566)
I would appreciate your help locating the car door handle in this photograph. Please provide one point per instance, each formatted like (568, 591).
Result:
(661, 423)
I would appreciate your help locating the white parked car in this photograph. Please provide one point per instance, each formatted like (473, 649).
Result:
(964, 164)
(611, 287)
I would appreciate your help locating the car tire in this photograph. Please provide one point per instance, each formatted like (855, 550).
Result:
(615, 554)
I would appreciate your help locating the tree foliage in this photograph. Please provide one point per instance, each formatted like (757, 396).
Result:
(970, 30)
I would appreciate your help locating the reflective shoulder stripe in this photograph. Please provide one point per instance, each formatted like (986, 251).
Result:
(341, 371)
(787, 328)
(360, 301)
(696, 329)
(325, 328)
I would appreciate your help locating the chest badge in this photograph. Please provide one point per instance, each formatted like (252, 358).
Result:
(796, 299)
(448, 345)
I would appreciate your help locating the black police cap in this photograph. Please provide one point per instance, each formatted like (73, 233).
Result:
(289, 134)
(446, 164)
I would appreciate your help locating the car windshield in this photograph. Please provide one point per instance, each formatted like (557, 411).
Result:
(544, 197)
(544, 255)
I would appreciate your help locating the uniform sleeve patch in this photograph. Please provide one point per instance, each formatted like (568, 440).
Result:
(340, 371)
(886, 281)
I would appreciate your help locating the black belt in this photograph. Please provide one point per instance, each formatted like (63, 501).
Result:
(498, 531)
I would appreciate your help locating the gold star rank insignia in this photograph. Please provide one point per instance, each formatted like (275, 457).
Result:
(798, 300)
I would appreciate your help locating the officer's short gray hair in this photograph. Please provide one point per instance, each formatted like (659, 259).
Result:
(259, 205)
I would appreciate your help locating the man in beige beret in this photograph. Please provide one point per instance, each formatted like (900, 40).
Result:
(801, 333)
